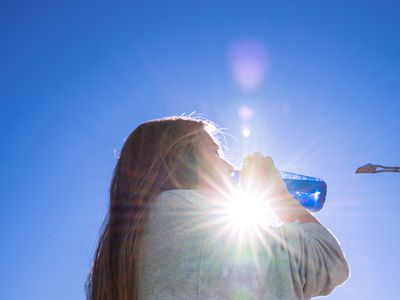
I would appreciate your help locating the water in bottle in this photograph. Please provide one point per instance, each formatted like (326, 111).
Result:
(310, 192)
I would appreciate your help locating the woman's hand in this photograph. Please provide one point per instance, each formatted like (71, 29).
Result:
(260, 177)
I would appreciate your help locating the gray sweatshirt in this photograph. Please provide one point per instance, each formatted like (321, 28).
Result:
(189, 252)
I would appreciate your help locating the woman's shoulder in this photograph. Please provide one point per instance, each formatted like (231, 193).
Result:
(182, 193)
(182, 197)
(185, 194)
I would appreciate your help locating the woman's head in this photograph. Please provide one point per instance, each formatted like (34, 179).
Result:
(159, 155)
(171, 153)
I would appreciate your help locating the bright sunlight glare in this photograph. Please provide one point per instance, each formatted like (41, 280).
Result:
(246, 211)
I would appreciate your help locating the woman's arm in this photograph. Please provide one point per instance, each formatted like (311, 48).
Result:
(316, 252)
(262, 179)
(289, 210)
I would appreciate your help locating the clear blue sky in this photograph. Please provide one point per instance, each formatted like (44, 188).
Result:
(76, 77)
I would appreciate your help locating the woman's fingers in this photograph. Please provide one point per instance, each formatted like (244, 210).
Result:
(260, 175)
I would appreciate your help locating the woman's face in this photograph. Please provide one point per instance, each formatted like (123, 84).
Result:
(214, 172)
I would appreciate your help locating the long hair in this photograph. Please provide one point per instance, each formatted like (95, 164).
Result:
(157, 156)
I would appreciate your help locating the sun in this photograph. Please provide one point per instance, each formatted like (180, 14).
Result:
(245, 210)
(247, 213)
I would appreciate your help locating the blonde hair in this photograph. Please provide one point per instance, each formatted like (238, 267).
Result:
(158, 155)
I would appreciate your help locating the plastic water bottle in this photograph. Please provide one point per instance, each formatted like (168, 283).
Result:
(310, 192)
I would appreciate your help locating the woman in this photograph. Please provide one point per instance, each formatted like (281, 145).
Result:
(166, 235)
